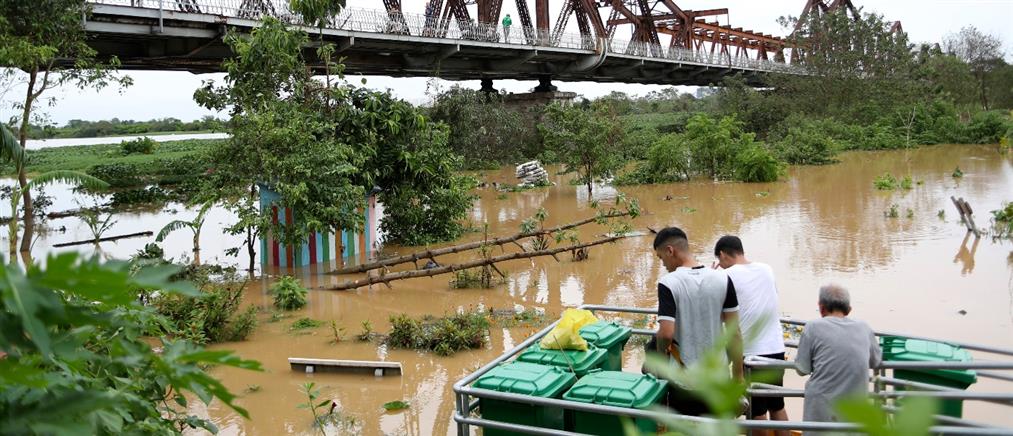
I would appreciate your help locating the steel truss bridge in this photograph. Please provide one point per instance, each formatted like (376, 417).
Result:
(446, 41)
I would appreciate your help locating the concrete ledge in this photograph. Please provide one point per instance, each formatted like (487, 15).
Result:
(377, 368)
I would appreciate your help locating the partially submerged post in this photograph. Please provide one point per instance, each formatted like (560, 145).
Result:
(965, 212)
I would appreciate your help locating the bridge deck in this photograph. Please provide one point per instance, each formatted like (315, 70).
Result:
(371, 43)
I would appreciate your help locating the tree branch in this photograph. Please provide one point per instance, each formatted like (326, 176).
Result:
(430, 254)
(446, 269)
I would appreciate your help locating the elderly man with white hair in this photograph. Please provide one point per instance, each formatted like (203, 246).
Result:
(838, 352)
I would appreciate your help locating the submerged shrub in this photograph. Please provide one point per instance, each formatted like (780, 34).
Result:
(806, 145)
(756, 164)
(149, 195)
(213, 316)
(443, 336)
(886, 182)
(289, 293)
(117, 175)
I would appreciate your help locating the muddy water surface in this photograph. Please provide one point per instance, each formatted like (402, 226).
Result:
(819, 224)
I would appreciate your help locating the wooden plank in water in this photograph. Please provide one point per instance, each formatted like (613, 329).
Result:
(378, 368)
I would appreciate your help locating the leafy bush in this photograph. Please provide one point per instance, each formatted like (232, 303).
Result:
(1002, 220)
(757, 164)
(444, 336)
(117, 175)
(806, 145)
(987, 128)
(667, 161)
(211, 316)
(289, 293)
(143, 145)
(77, 338)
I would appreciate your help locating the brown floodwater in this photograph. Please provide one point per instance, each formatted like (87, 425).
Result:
(916, 274)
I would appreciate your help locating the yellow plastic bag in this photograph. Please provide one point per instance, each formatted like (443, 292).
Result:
(566, 334)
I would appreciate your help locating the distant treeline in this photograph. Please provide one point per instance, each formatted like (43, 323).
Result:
(117, 127)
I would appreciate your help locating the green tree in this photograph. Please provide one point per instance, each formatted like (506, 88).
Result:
(77, 360)
(37, 39)
(983, 54)
(857, 68)
(484, 131)
(585, 141)
(321, 148)
(714, 145)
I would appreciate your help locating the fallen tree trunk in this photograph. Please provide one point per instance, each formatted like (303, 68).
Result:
(430, 254)
(110, 238)
(446, 269)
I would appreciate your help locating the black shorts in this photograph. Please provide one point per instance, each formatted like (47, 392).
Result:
(762, 405)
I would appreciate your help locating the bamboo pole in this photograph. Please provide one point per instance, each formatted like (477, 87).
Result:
(430, 254)
(446, 269)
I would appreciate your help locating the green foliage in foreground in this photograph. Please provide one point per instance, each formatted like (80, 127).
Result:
(76, 359)
(289, 293)
(443, 336)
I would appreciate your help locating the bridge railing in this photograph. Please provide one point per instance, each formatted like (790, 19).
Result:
(407, 24)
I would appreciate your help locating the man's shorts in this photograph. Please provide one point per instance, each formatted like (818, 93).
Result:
(762, 405)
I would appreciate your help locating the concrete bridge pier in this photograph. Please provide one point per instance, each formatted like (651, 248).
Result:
(545, 84)
(487, 88)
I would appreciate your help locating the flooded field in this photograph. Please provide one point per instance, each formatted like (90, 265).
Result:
(916, 274)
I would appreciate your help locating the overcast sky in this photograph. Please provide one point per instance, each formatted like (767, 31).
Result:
(169, 94)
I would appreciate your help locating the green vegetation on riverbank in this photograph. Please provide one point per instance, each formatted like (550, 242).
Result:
(86, 157)
(171, 171)
(891, 95)
(117, 127)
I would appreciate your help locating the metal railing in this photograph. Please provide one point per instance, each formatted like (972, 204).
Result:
(467, 398)
(419, 25)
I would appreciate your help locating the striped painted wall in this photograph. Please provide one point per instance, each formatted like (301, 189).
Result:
(345, 247)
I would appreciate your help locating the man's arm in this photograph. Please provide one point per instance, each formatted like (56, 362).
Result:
(666, 318)
(804, 358)
(734, 347)
(875, 352)
(730, 316)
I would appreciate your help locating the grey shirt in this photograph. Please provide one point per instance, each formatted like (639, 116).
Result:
(838, 352)
(694, 299)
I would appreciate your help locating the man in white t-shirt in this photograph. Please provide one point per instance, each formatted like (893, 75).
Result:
(758, 319)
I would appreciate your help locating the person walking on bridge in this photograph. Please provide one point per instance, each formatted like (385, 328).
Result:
(838, 351)
(695, 305)
(758, 320)
(506, 28)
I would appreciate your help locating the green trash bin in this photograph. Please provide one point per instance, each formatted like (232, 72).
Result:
(527, 379)
(582, 362)
(613, 388)
(896, 348)
(610, 336)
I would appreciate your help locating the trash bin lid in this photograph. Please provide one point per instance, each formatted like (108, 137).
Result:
(617, 388)
(903, 349)
(581, 361)
(605, 334)
(527, 379)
